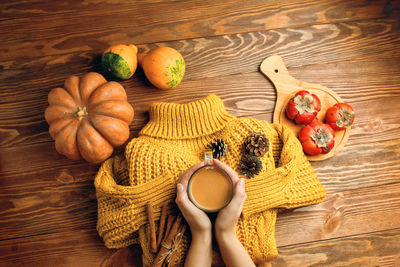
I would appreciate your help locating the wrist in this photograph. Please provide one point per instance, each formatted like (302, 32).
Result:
(203, 236)
(200, 250)
(225, 235)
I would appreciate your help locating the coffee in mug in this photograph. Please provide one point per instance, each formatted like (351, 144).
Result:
(210, 188)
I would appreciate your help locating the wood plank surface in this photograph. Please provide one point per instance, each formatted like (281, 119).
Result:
(212, 56)
(346, 213)
(374, 249)
(47, 202)
(162, 8)
(166, 21)
(66, 249)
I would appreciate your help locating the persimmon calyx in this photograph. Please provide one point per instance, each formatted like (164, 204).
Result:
(304, 103)
(322, 138)
(345, 118)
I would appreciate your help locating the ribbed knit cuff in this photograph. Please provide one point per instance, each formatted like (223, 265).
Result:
(292, 184)
(121, 209)
(264, 192)
(305, 188)
(257, 234)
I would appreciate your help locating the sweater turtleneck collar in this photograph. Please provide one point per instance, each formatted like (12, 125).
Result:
(191, 120)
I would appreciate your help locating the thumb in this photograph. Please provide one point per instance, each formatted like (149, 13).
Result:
(240, 195)
(180, 194)
(182, 199)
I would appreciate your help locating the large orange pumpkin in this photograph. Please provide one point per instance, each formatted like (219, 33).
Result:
(88, 117)
(164, 67)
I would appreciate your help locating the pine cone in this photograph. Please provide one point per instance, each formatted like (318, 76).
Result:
(256, 144)
(250, 165)
(218, 147)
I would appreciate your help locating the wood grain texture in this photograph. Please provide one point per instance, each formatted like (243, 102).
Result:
(375, 249)
(212, 56)
(165, 20)
(345, 213)
(52, 210)
(293, 11)
(66, 249)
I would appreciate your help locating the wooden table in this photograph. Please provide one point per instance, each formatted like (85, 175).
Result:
(47, 202)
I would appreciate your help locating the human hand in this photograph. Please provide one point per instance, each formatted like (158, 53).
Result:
(197, 219)
(227, 217)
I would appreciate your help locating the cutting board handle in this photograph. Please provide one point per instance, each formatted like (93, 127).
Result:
(273, 67)
(275, 70)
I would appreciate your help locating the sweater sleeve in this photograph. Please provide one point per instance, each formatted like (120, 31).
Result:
(301, 184)
(293, 183)
(121, 209)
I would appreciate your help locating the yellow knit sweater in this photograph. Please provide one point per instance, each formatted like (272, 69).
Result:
(175, 139)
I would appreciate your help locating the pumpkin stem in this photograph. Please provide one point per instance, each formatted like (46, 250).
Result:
(81, 113)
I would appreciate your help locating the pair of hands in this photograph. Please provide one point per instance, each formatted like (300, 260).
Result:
(197, 219)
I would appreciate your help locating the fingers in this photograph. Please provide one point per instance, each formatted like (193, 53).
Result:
(228, 169)
(239, 197)
(182, 199)
(181, 196)
(196, 218)
(184, 176)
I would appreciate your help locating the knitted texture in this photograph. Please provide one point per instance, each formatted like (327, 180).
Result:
(175, 139)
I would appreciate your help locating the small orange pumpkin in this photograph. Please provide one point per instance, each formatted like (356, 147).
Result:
(88, 117)
(164, 67)
(120, 61)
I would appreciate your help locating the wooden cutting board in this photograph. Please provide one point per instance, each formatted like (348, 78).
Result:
(286, 87)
